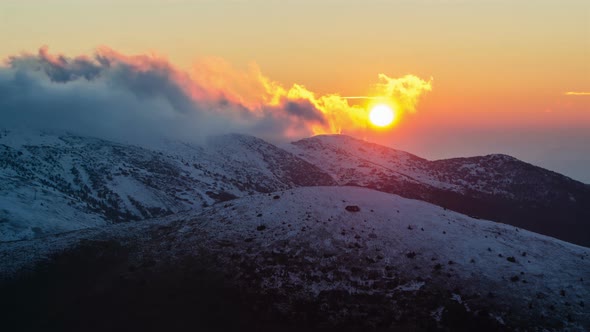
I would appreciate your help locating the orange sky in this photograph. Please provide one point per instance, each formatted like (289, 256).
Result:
(496, 64)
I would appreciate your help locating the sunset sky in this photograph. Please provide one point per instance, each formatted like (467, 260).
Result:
(503, 76)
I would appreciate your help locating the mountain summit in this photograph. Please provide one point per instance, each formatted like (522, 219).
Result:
(495, 187)
(74, 182)
(53, 183)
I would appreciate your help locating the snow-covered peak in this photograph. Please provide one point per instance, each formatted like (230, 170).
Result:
(351, 145)
(65, 177)
(497, 186)
(57, 182)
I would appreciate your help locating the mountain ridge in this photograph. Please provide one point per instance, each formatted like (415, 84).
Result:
(495, 187)
(238, 233)
(76, 182)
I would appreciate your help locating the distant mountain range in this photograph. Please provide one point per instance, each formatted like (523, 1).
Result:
(53, 183)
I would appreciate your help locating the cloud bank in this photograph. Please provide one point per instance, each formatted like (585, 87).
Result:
(142, 97)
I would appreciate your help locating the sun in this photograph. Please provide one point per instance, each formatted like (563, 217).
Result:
(381, 115)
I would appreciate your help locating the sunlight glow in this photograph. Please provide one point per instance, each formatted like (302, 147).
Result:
(381, 115)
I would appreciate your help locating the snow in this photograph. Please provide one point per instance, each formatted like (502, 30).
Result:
(337, 249)
(55, 182)
(177, 176)
(350, 160)
(446, 233)
(31, 212)
(411, 286)
(437, 314)
(475, 252)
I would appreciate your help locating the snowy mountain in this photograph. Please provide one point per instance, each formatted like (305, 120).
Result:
(494, 187)
(52, 183)
(316, 257)
(236, 233)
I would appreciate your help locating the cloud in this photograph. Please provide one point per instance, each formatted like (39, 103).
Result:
(571, 93)
(304, 109)
(405, 90)
(104, 96)
(57, 68)
(143, 97)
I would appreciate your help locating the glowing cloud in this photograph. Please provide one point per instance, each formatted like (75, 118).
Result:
(571, 93)
(333, 112)
(405, 91)
(121, 96)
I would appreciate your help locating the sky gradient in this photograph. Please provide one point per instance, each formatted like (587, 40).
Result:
(506, 76)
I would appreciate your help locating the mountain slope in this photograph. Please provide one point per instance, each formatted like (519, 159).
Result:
(300, 258)
(57, 182)
(495, 187)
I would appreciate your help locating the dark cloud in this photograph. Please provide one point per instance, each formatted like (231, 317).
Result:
(154, 83)
(131, 98)
(304, 109)
(57, 68)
